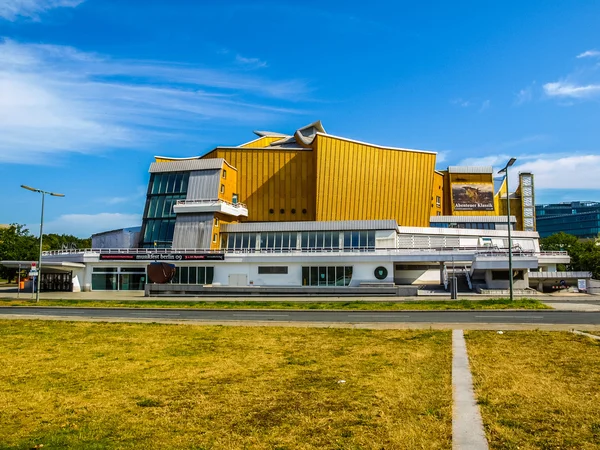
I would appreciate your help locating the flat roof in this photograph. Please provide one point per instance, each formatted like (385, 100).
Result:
(342, 225)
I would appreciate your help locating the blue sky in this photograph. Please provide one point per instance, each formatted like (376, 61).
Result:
(90, 90)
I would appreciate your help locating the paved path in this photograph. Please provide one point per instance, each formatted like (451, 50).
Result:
(572, 306)
(467, 426)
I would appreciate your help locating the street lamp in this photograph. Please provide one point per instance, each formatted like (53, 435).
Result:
(54, 194)
(510, 273)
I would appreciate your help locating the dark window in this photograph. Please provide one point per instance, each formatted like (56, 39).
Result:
(224, 173)
(272, 269)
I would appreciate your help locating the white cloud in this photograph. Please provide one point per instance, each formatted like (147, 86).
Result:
(56, 99)
(565, 90)
(13, 9)
(84, 225)
(551, 171)
(254, 63)
(566, 172)
(589, 54)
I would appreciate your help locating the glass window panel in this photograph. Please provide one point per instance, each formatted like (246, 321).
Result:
(133, 269)
(339, 276)
(314, 276)
(331, 276)
(184, 274)
(104, 269)
(178, 181)
(104, 282)
(304, 242)
(363, 239)
(371, 239)
(252, 241)
(164, 228)
(231, 241)
(347, 239)
(355, 239)
(305, 276)
(347, 275)
(184, 184)
(159, 207)
(192, 275)
(170, 230)
(278, 241)
(322, 276)
(210, 274)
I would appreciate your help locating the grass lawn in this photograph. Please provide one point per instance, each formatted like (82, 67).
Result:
(105, 385)
(349, 305)
(537, 390)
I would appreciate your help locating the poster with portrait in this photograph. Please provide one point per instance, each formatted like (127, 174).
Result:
(473, 196)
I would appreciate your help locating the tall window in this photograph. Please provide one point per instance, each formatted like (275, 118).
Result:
(158, 225)
(326, 276)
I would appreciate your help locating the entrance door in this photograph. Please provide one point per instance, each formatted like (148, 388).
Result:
(238, 279)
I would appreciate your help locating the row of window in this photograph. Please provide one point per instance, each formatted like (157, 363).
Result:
(467, 225)
(281, 241)
(193, 275)
(159, 232)
(118, 278)
(327, 276)
(161, 206)
(169, 183)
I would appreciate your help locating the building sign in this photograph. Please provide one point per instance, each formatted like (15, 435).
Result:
(473, 196)
(162, 256)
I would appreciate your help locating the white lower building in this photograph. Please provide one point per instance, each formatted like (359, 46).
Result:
(317, 257)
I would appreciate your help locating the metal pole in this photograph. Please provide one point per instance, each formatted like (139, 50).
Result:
(19, 281)
(39, 276)
(510, 272)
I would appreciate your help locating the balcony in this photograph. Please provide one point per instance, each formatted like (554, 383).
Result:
(210, 206)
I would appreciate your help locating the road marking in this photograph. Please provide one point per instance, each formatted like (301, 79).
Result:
(510, 317)
(260, 315)
(376, 315)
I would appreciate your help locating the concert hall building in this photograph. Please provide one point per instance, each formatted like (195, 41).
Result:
(317, 213)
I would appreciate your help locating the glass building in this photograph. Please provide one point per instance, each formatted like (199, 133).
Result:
(164, 189)
(581, 219)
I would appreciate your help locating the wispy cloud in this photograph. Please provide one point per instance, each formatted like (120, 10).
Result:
(570, 90)
(133, 198)
(57, 99)
(13, 9)
(589, 54)
(461, 102)
(84, 225)
(484, 105)
(253, 63)
(524, 96)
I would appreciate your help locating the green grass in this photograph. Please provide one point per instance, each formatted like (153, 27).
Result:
(105, 385)
(343, 305)
(537, 390)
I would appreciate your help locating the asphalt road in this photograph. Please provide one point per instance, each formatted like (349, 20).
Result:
(541, 317)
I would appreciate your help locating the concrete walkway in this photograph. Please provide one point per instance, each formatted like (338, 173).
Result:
(573, 306)
(467, 426)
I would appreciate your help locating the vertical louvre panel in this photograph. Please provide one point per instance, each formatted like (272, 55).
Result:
(193, 231)
(204, 184)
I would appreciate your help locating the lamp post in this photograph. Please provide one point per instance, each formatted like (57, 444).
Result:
(510, 272)
(39, 277)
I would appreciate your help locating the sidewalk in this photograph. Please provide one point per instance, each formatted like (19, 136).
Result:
(11, 293)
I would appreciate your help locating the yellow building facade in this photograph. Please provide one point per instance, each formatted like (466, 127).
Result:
(311, 175)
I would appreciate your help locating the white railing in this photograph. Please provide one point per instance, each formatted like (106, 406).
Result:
(213, 201)
(466, 250)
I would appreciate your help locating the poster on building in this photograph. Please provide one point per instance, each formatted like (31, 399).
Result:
(473, 196)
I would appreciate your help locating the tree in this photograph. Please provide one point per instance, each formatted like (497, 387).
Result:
(584, 254)
(16, 244)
